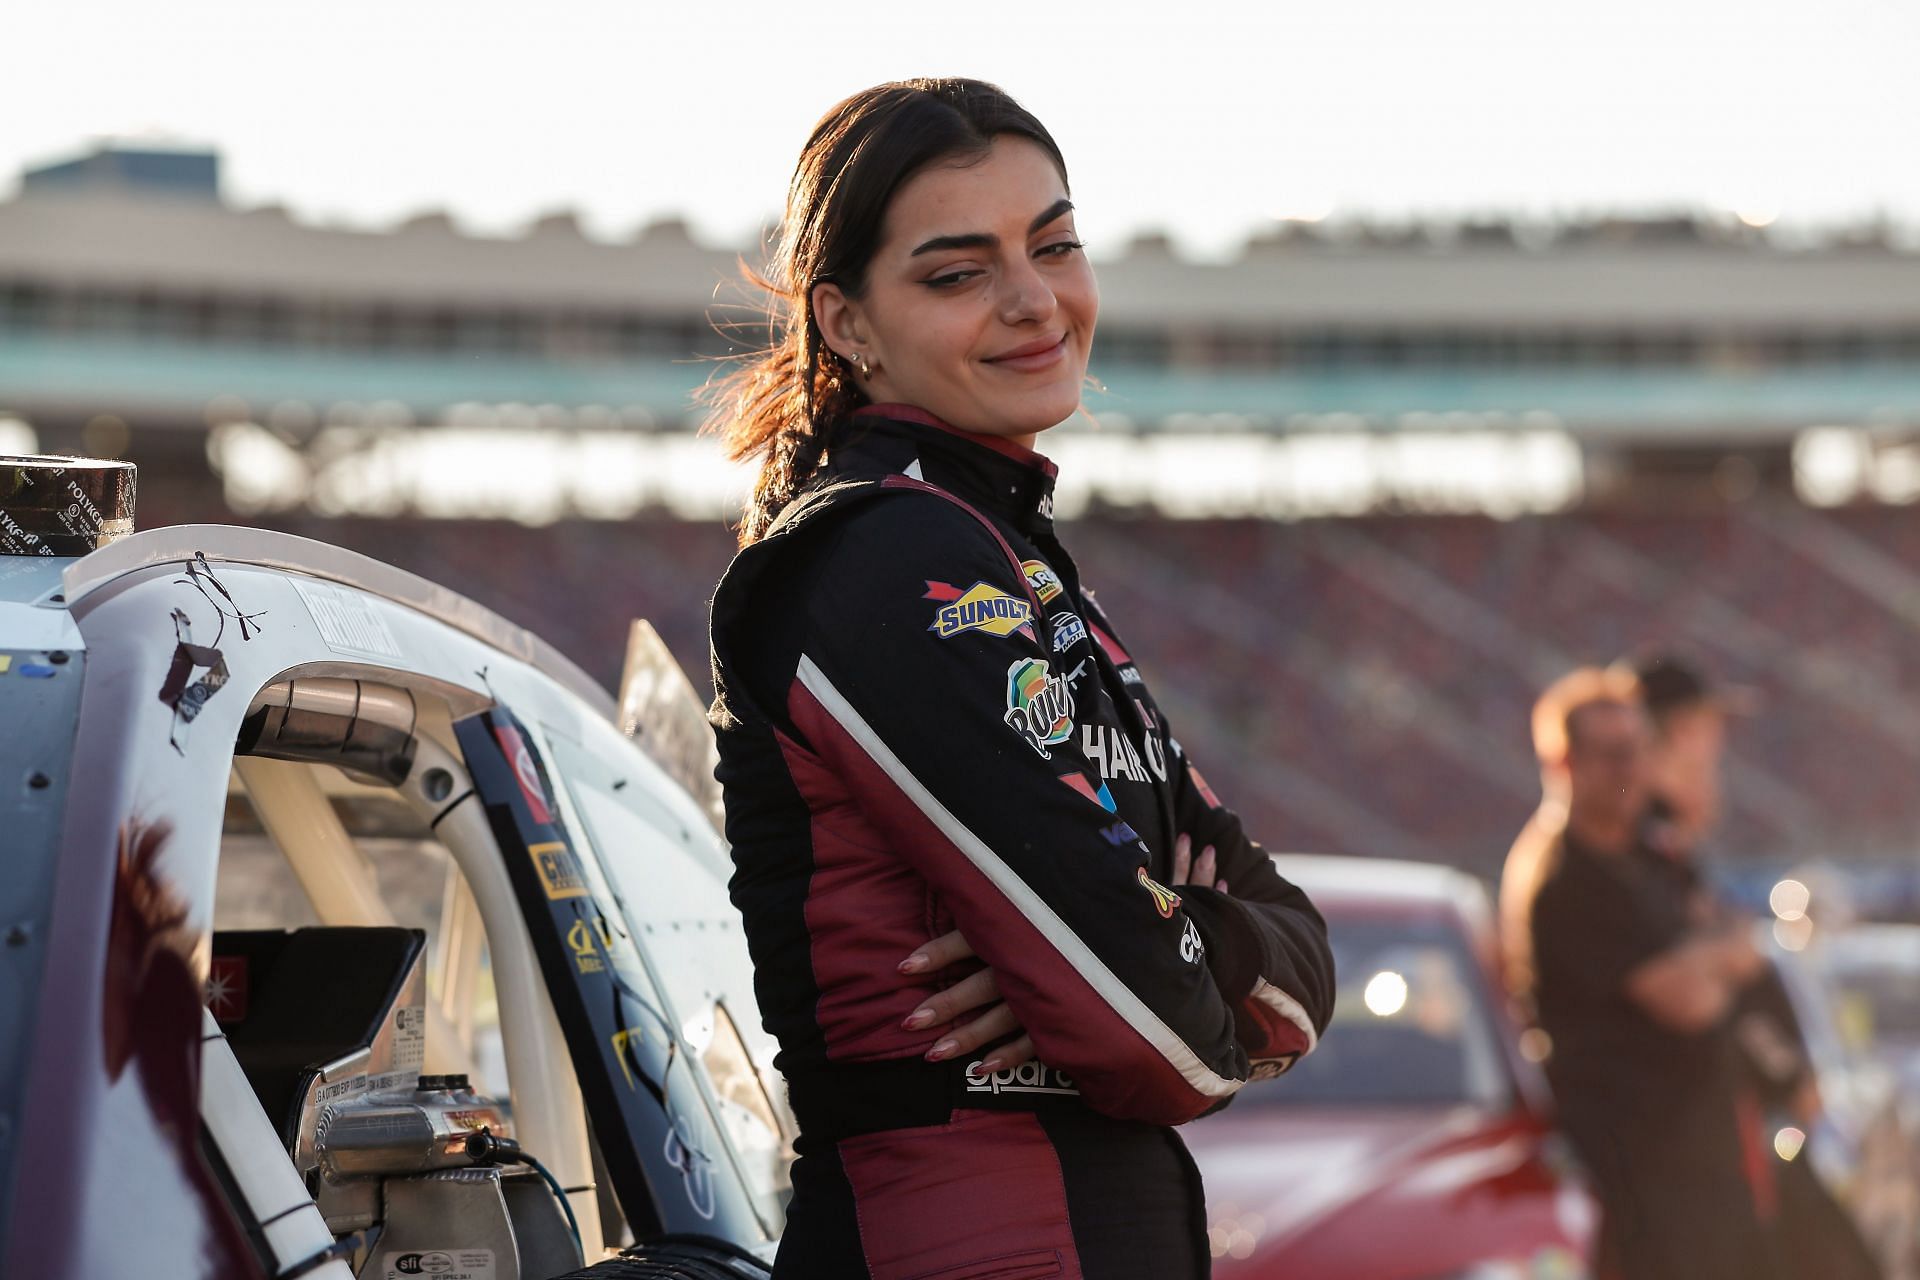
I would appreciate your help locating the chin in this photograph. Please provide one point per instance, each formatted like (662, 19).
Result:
(1036, 411)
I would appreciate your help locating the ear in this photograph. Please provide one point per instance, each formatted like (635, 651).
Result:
(840, 320)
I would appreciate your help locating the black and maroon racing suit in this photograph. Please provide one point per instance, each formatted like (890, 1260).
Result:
(926, 724)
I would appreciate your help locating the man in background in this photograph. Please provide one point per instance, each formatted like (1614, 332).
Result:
(1689, 716)
(1635, 995)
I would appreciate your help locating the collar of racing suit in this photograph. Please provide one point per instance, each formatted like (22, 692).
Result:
(990, 472)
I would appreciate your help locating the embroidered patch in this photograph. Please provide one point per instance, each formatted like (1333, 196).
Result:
(1042, 579)
(1039, 706)
(981, 607)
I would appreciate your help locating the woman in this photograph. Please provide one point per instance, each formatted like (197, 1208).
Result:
(933, 748)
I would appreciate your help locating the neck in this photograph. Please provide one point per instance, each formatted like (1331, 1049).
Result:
(1600, 832)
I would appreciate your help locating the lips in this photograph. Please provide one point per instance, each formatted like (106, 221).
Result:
(1041, 353)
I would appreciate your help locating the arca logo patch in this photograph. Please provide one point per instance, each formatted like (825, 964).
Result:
(1042, 579)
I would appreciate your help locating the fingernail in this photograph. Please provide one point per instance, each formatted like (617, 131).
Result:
(990, 1066)
(918, 1019)
(913, 963)
(941, 1050)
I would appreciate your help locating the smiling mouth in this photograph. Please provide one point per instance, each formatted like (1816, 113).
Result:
(1033, 356)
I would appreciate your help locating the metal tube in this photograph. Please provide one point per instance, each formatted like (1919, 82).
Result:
(548, 1114)
(332, 870)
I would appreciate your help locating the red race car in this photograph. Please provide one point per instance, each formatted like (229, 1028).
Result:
(1415, 1143)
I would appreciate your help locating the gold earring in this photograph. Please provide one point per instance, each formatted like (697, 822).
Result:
(860, 363)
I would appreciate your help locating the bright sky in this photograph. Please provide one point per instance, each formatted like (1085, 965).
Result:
(1202, 116)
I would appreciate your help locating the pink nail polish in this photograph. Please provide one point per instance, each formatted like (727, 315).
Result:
(941, 1050)
(990, 1066)
(917, 1019)
(912, 964)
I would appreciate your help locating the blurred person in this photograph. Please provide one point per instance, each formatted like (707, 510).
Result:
(1635, 995)
(1004, 932)
(1689, 714)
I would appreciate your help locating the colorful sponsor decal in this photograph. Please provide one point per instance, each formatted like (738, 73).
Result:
(1165, 900)
(1078, 781)
(1120, 833)
(981, 607)
(1039, 706)
(559, 868)
(586, 956)
(1200, 785)
(1068, 631)
(1031, 1076)
(525, 772)
(1041, 579)
(227, 988)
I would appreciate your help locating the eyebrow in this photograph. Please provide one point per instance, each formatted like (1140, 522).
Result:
(984, 240)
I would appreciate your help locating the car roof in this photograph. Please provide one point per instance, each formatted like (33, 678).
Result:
(1383, 882)
(267, 548)
(1866, 946)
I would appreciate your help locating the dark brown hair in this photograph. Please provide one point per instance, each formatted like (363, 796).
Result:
(776, 404)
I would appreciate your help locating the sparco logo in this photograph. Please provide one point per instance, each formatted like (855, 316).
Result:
(1031, 1076)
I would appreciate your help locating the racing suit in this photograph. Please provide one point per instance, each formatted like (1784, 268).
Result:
(925, 723)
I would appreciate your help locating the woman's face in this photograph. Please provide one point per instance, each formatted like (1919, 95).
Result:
(980, 304)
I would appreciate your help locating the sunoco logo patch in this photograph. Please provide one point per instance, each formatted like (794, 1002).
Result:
(979, 608)
(1039, 706)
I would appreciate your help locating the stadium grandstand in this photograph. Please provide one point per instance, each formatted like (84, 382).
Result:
(1397, 477)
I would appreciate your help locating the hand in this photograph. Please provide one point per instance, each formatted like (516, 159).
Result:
(1189, 870)
(976, 991)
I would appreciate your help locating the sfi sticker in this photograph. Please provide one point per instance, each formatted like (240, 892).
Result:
(1165, 900)
(559, 868)
(1200, 785)
(439, 1264)
(981, 607)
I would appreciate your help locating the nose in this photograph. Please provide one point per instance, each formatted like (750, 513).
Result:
(1025, 297)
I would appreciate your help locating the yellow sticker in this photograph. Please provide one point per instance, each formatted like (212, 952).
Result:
(621, 1039)
(6, 660)
(980, 608)
(559, 869)
(586, 957)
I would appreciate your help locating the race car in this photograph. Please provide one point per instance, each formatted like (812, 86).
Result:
(1416, 1143)
(351, 930)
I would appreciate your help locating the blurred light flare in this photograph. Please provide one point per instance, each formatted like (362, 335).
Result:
(1385, 994)
(1793, 935)
(1787, 1143)
(1790, 899)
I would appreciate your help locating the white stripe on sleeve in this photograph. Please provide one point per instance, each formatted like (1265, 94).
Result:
(1287, 1007)
(1064, 940)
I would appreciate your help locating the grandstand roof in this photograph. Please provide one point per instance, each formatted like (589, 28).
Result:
(1581, 280)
